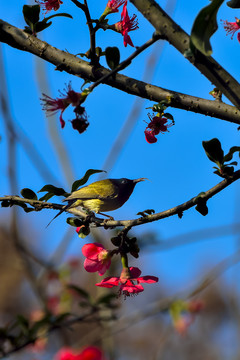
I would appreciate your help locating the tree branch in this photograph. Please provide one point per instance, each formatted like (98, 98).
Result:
(180, 40)
(39, 205)
(64, 61)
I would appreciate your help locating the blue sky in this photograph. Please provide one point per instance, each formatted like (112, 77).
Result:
(176, 165)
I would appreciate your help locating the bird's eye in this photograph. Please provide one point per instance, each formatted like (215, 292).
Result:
(124, 181)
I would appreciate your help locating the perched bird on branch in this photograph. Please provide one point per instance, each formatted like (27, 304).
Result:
(103, 195)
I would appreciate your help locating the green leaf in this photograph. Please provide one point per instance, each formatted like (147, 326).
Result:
(51, 191)
(58, 14)
(205, 26)
(112, 55)
(168, 116)
(229, 155)
(214, 150)
(41, 25)
(235, 4)
(84, 179)
(31, 14)
(28, 194)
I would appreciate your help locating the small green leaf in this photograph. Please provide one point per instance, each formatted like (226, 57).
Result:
(84, 179)
(41, 25)
(58, 14)
(31, 14)
(51, 191)
(168, 116)
(112, 55)
(205, 26)
(28, 194)
(214, 150)
(229, 155)
(235, 4)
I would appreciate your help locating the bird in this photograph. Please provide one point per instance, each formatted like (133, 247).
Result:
(100, 196)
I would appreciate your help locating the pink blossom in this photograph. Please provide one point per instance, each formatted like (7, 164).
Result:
(97, 258)
(125, 25)
(49, 5)
(232, 27)
(156, 125)
(113, 5)
(69, 96)
(88, 353)
(126, 281)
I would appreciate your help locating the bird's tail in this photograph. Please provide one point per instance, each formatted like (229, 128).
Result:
(59, 213)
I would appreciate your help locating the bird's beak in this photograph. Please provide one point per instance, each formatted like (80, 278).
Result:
(138, 180)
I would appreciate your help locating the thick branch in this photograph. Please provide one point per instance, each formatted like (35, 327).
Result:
(180, 40)
(64, 61)
(38, 205)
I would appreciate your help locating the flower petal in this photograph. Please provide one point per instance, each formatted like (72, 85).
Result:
(238, 37)
(91, 265)
(109, 282)
(132, 289)
(147, 279)
(150, 137)
(91, 251)
(135, 272)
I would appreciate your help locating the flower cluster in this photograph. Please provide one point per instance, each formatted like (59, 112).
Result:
(89, 353)
(48, 5)
(126, 284)
(99, 259)
(126, 23)
(232, 27)
(158, 124)
(68, 97)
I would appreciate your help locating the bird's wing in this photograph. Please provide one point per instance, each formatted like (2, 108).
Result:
(94, 191)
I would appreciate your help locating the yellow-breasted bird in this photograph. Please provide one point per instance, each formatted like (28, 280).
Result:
(103, 195)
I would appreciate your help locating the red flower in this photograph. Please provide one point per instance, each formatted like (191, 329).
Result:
(232, 27)
(157, 125)
(49, 5)
(113, 5)
(89, 353)
(126, 281)
(125, 25)
(97, 258)
(51, 106)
